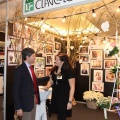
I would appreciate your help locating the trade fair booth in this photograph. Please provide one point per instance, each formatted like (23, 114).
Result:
(81, 31)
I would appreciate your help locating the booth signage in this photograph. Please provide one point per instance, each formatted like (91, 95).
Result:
(41, 6)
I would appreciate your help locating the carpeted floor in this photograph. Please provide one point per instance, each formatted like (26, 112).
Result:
(80, 112)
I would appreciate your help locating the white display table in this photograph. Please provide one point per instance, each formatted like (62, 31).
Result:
(41, 109)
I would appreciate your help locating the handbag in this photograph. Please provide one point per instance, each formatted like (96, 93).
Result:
(73, 101)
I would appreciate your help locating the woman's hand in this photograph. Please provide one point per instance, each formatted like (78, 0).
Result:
(69, 105)
(46, 88)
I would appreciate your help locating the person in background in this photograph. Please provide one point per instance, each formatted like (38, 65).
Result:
(62, 80)
(25, 89)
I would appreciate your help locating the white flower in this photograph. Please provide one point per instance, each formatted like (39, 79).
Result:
(91, 95)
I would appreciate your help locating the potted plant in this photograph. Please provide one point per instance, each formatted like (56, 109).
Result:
(91, 98)
(104, 103)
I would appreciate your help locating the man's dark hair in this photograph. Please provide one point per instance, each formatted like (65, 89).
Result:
(27, 52)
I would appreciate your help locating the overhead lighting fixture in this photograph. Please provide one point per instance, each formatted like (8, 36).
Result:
(25, 19)
(64, 19)
(93, 13)
(42, 20)
(118, 9)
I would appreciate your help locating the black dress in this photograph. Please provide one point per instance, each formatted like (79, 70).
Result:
(60, 94)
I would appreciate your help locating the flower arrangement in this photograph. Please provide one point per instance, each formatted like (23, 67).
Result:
(111, 49)
(92, 95)
(103, 102)
(114, 69)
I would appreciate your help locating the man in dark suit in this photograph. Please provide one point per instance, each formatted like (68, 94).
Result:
(25, 92)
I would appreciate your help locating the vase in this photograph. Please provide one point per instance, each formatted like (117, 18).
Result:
(105, 113)
(116, 55)
(92, 104)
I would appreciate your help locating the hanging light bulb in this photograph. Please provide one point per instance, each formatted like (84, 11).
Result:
(25, 19)
(78, 35)
(118, 9)
(64, 19)
(93, 13)
(42, 20)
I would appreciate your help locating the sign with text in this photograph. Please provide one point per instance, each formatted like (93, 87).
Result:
(40, 6)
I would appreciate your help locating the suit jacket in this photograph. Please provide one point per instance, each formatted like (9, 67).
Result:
(23, 89)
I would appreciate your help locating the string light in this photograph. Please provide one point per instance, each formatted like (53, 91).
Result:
(25, 19)
(64, 19)
(118, 9)
(42, 20)
(93, 13)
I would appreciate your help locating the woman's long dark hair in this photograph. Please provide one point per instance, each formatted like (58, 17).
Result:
(66, 65)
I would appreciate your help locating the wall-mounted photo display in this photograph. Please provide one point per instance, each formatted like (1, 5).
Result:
(84, 69)
(109, 57)
(98, 75)
(57, 46)
(49, 49)
(47, 70)
(98, 86)
(14, 58)
(97, 64)
(49, 60)
(109, 63)
(83, 49)
(17, 29)
(84, 58)
(96, 54)
(49, 38)
(39, 62)
(33, 33)
(39, 72)
(40, 48)
(15, 43)
(109, 76)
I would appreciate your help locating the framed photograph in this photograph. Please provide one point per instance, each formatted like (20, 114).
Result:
(84, 50)
(84, 69)
(109, 63)
(49, 49)
(98, 86)
(47, 70)
(17, 29)
(14, 58)
(109, 57)
(96, 54)
(15, 43)
(109, 76)
(39, 72)
(49, 60)
(57, 46)
(49, 38)
(84, 59)
(39, 62)
(98, 75)
(97, 64)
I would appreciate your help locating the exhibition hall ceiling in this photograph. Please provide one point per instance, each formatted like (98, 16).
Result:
(78, 18)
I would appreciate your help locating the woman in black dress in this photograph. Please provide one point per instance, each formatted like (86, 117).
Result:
(63, 86)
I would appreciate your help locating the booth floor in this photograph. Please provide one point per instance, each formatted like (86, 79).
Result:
(80, 112)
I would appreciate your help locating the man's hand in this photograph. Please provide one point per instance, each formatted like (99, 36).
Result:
(19, 113)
